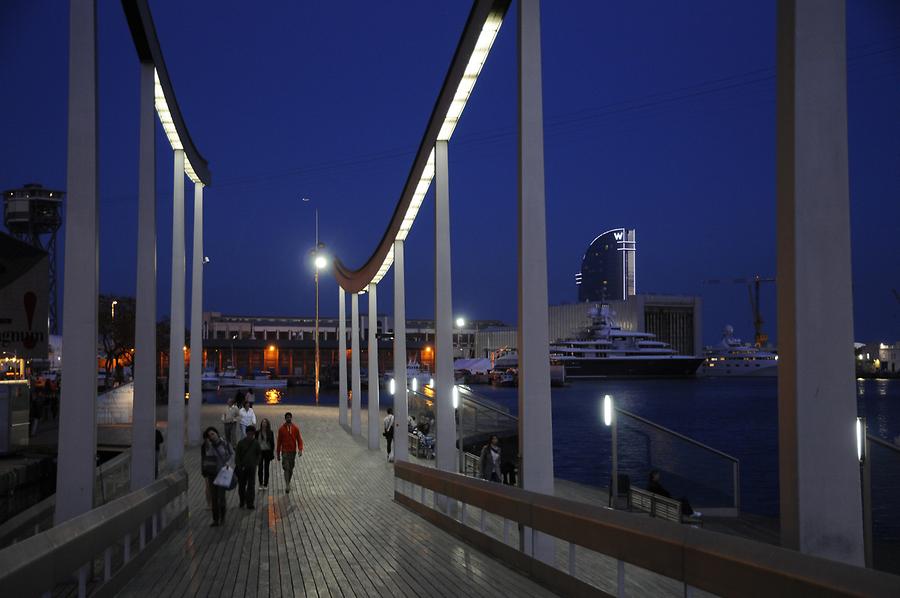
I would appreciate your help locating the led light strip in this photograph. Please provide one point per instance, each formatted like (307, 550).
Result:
(463, 93)
(168, 124)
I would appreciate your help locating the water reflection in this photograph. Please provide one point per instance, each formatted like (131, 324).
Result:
(273, 396)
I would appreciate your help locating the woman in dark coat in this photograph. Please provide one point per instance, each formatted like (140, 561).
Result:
(267, 446)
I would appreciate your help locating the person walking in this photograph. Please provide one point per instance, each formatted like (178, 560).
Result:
(230, 418)
(289, 445)
(267, 452)
(215, 454)
(389, 432)
(490, 460)
(246, 460)
(247, 416)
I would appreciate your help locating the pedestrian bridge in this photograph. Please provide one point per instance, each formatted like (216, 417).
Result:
(356, 525)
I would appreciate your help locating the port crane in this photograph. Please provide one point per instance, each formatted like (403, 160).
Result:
(753, 283)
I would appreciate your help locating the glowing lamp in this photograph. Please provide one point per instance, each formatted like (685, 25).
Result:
(607, 410)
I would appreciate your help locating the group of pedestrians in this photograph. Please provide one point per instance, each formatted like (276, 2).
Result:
(238, 416)
(226, 467)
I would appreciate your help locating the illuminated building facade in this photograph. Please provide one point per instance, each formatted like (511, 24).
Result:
(608, 267)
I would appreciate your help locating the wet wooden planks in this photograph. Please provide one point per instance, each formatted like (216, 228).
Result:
(337, 533)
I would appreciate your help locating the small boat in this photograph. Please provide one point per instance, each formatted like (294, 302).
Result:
(733, 358)
(415, 372)
(209, 380)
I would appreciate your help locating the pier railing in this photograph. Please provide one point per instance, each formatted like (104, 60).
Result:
(880, 489)
(595, 544)
(708, 478)
(112, 481)
(98, 551)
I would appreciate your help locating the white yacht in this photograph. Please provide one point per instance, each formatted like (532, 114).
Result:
(733, 358)
(415, 372)
(605, 350)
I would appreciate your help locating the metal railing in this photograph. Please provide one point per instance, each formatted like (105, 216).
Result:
(694, 558)
(112, 481)
(118, 536)
(880, 465)
(709, 477)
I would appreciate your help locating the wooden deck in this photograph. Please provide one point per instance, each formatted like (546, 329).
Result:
(338, 533)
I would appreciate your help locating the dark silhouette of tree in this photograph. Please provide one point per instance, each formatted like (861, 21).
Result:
(116, 331)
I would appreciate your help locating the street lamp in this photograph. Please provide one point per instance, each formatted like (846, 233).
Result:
(233, 337)
(113, 308)
(460, 322)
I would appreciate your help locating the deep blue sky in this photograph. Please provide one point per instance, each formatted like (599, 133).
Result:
(658, 116)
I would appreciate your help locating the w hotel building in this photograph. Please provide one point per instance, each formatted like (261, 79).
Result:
(607, 268)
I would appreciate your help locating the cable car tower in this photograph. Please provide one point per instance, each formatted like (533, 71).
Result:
(33, 214)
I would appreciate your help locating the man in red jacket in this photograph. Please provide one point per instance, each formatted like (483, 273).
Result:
(288, 445)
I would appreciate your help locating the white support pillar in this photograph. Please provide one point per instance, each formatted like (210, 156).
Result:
(818, 468)
(143, 427)
(374, 420)
(175, 435)
(401, 405)
(78, 422)
(355, 412)
(342, 357)
(446, 458)
(535, 423)
(195, 385)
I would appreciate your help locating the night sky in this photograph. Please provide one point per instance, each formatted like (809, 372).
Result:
(658, 116)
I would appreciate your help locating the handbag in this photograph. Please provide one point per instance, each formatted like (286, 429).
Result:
(226, 478)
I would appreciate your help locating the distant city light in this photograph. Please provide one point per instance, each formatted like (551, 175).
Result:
(460, 322)
(271, 347)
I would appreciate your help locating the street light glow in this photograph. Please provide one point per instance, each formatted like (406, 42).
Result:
(392, 386)
(607, 410)
(455, 396)
(859, 439)
(415, 384)
(460, 322)
(320, 262)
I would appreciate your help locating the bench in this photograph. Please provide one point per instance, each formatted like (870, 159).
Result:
(659, 506)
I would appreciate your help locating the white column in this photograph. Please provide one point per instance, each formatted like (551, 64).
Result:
(195, 385)
(355, 413)
(78, 423)
(175, 433)
(401, 407)
(535, 424)
(342, 357)
(443, 316)
(143, 427)
(374, 420)
(819, 471)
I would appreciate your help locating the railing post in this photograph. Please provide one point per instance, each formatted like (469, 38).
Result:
(107, 564)
(82, 581)
(156, 523)
(175, 436)
(342, 359)
(78, 403)
(142, 536)
(143, 430)
(572, 559)
(126, 548)
(196, 367)
(374, 421)
(620, 578)
(355, 411)
(401, 398)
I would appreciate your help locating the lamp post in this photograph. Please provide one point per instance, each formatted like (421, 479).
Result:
(319, 262)
(233, 336)
(610, 421)
(112, 307)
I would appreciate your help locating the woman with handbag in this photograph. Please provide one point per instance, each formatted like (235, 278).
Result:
(215, 456)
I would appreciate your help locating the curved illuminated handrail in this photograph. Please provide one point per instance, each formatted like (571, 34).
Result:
(471, 52)
(143, 32)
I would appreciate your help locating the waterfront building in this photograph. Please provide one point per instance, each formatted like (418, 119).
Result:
(608, 267)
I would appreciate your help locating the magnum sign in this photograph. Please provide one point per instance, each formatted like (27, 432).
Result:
(24, 288)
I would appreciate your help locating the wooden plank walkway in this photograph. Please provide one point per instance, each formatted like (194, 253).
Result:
(337, 533)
